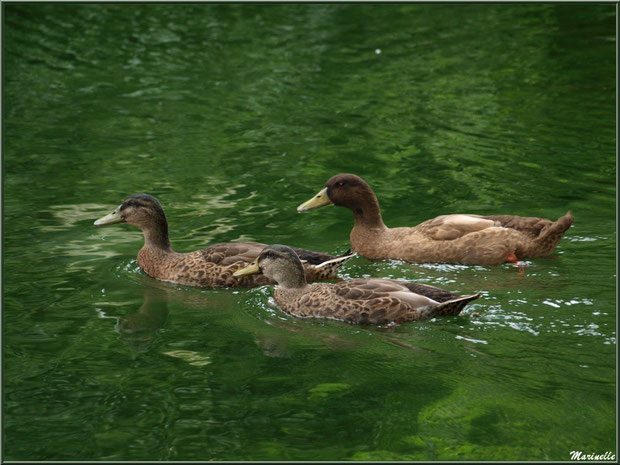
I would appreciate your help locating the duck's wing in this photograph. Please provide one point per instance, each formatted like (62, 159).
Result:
(227, 253)
(318, 266)
(432, 292)
(450, 227)
(390, 300)
(364, 289)
(230, 252)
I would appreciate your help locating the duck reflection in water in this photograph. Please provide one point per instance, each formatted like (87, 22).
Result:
(138, 330)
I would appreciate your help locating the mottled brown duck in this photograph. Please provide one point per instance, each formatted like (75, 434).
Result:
(457, 238)
(362, 300)
(209, 267)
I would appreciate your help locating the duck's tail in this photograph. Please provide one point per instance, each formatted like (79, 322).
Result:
(327, 269)
(312, 257)
(550, 235)
(544, 234)
(452, 307)
(320, 266)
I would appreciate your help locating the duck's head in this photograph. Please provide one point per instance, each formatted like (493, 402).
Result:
(344, 190)
(141, 210)
(277, 262)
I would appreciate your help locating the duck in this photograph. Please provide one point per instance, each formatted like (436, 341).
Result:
(378, 301)
(212, 266)
(467, 239)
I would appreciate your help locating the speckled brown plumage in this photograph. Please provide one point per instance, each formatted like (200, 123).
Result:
(362, 300)
(212, 266)
(458, 238)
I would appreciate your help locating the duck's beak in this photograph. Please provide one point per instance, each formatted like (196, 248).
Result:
(252, 268)
(319, 200)
(111, 218)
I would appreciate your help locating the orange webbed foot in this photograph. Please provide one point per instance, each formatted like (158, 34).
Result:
(512, 258)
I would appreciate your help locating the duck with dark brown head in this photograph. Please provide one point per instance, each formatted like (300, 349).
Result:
(454, 238)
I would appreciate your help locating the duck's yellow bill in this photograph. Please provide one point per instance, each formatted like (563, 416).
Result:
(111, 218)
(252, 268)
(319, 200)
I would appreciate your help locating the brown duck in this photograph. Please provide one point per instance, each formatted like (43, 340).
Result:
(209, 267)
(363, 300)
(457, 238)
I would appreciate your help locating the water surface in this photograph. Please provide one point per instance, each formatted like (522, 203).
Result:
(232, 115)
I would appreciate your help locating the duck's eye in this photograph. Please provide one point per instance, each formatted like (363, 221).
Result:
(339, 184)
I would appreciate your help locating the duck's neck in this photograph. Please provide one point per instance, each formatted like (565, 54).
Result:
(367, 213)
(156, 235)
(290, 276)
(369, 230)
(293, 283)
(156, 252)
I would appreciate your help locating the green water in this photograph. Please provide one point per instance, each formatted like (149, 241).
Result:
(232, 115)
